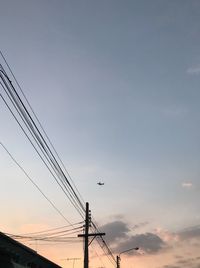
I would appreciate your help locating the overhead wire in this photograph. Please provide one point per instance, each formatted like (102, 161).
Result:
(50, 201)
(53, 229)
(54, 239)
(97, 255)
(28, 122)
(39, 142)
(36, 117)
(40, 126)
(33, 127)
(73, 195)
(59, 236)
(49, 236)
(31, 141)
(103, 244)
(35, 184)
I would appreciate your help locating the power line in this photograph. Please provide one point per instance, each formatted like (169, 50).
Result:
(33, 144)
(44, 146)
(53, 234)
(36, 117)
(45, 236)
(52, 229)
(32, 121)
(39, 139)
(55, 239)
(35, 184)
(35, 137)
(103, 245)
(97, 255)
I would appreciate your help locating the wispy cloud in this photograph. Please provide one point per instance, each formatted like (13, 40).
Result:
(190, 233)
(184, 262)
(194, 70)
(186, 184)
(166, 235)
(139, 225)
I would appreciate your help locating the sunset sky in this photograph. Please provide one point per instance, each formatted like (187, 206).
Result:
(116, 86)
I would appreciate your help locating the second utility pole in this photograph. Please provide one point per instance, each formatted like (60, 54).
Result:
(86, 236)
(87, 223)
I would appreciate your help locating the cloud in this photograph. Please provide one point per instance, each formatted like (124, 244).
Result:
(119, 237)
(117, 217)
(171, 266)
(166, 235)
(178, 257)
(189, 233)
(186, 184)
(115, 230)
(149, 243)
(139, 225)
(194, 70)
(187, 262)
(188, 236)
(190, 262)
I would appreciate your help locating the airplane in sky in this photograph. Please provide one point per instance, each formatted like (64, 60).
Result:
(100, 183)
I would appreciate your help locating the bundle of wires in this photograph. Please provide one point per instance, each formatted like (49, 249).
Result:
(60, 234)
(21, 110)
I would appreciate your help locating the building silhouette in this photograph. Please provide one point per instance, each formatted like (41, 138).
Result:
(16, 255)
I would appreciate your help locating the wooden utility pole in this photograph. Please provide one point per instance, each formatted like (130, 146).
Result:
(118, 261)
(86, 236)
(87, 220)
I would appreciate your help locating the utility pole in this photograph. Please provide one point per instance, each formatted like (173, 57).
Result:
(87, 223)
(118, 261)
(86, 236)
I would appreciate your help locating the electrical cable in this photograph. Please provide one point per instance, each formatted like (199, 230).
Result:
(34, 135)
(38, 188)
(75, 198)
(32, 121)
(97, 255)
(31, 124)
(52, 229)
(34, 145)
(36, 117)
(103, 245)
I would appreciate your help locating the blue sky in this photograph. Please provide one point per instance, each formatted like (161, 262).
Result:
(116, 86)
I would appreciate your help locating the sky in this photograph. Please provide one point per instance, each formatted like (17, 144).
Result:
(115, 84)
